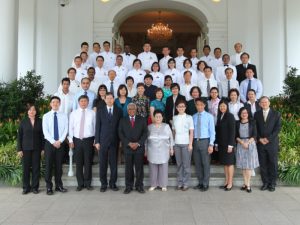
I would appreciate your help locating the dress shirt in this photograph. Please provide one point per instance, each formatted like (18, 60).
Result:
(132, 92)
(175, 74)
(158, 79)
(234, 108)
(138, 75)
(179, 62)
(253, 107)
(200, 76)
(163, 63)
(128, 60)
(195, 61)
(101, 74)
(256, 85)
(182, 124)
(66, 102)
(74, 86)
(95, 85)
(185, 90)
(116, 85)
(266, 113)
(207, 126)
(109, 60)
(112, 109)
(147, 58)
(121, 72)
(48, 126)
(220, 72)
(92, 58)
(86, 65)
(223, 87)
(194, 78)
(89, 124)
(208, 59)
(90, 94)
(215, 64)
(203, 85)
(80, 73)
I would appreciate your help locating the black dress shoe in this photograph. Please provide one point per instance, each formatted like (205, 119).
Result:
(223, 186)
(249, 190)
(264, 187)
(140, 190)
(199, 186)
(114, 188)
(79, 188)
(243, 188)
(127, 190)
(89, 188)
(103, 189)
(205, 188)
(271, 188)
(227, 188)
(49, 192)
(61, 189)
(25, 192)
(35, 191)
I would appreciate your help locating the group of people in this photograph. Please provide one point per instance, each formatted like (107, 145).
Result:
(174, 109)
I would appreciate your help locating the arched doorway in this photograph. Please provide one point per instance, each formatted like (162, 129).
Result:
(186, 31)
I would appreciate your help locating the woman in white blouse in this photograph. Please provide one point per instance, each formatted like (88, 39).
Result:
(200, 70)
(187, 64)
(234, 102)
(172, 71)
(130, 87)
(137, 73)
(158, 77)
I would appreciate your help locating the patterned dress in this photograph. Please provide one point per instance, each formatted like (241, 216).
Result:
(246, 158)
(142, 104)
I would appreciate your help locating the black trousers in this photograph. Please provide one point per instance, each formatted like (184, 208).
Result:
(53, 157)
(268, 161)
(83, 158)
(31, 162)
(135, 160)
(108, 155)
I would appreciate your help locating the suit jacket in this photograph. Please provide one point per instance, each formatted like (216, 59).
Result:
(150, 92)
(225, 130)
(30, 138)
(170, 105)
(248, 107)
(138, 133)
(269, 129)
(191, 107)
(107, 128)
(252, 129)
(241, 71)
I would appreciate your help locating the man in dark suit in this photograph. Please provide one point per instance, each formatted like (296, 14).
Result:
(133, 134)
(107, 142)
(149, 87)
(268, 125)
(241, 68)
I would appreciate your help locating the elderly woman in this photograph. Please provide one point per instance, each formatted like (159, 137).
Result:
(30, 147)
(159, 148)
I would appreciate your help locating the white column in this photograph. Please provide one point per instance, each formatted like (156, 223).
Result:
(8, 40)
(217, 36)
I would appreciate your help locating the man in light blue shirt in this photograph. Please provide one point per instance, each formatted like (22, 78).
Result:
(204, 138)
(85, 85)
(55, 129)
(250, 83)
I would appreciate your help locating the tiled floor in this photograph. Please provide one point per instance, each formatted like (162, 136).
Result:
(214, 207)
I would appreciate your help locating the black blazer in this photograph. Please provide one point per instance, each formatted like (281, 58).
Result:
(241, 71)
(106, 127)
(252, 129)
(225, 130)
(191, 107)
(138, 133)
(248, 107)
(269, 129)
(150, 92)
(170, 106)
(30, 138)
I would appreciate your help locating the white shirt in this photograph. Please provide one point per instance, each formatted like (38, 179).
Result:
(175, 74)
(132, 92)
(215, 64)
(48, 126)
(203, 85)
(138, 75)
(101, 74)
(89, 124)
(236, 59)
(194, 78)
(208, 59)
(116, 85)
(92, 59)
(223, 87)
(220, 72)
(86, 65)
(121, 72)
(66, 102)
(234, 108)
(80, 73)
(158, 79)
(194, 60)
(74, 86)
(128, 60)
(163, 63)
(200, 76)
(182, 124)
(94, 85)
(147, 58)
(109, 59)
(179, 62)
(185, 90)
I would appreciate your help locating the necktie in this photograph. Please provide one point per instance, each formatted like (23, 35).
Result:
(249, 85)
(56, 135)
(85, 93)
(228, 87)
(199, 125)
(112, 87)
(110, 113)
(81, 129)
(265, 114)
(208, 88)
(128, 54)
(132, 121)
(245, 66)
(226, 65)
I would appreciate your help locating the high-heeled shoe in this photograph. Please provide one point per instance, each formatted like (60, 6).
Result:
(227, 188)
(244, 187)
(223, 187)
(249, 190)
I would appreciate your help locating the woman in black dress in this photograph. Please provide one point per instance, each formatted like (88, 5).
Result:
(225, 141)
(99, 101)
(30, 145)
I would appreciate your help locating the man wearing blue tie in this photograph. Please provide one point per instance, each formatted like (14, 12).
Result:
(85, 90)
(250, 83)
(55, 129)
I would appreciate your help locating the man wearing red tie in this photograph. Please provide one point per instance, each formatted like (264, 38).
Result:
(133, 133)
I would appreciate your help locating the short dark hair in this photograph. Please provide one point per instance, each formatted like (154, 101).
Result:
(140, 85)
(83, 97)
(200, 100)
(214, 88)
(175, 85)
(71, 68)
(119, 56)
(77, 57)
(65, 79)
(55, 97)
(217, 48)
(241, 110)
(197, 88)
(82, 53)
(96, 43)
(120, 88)
(158, 111)
(187, 60)
(84, 43)
(252, 91)
(206, 46)
(129, 78)
(186, 72)
(193, 49)
(159, 90)
(222, 101)
(153, 64)
(91, 68)
(228, 69)
(245, 53)
(180, 47)
(109, 94)
(106, 42)
(249, 68)
(181, 101)
(137, 60)
(100, 56)
(201, 61)
(207, 67)
(233, 90)
(167, 77)
(29, 105)
(148, 76)
(225, 55)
